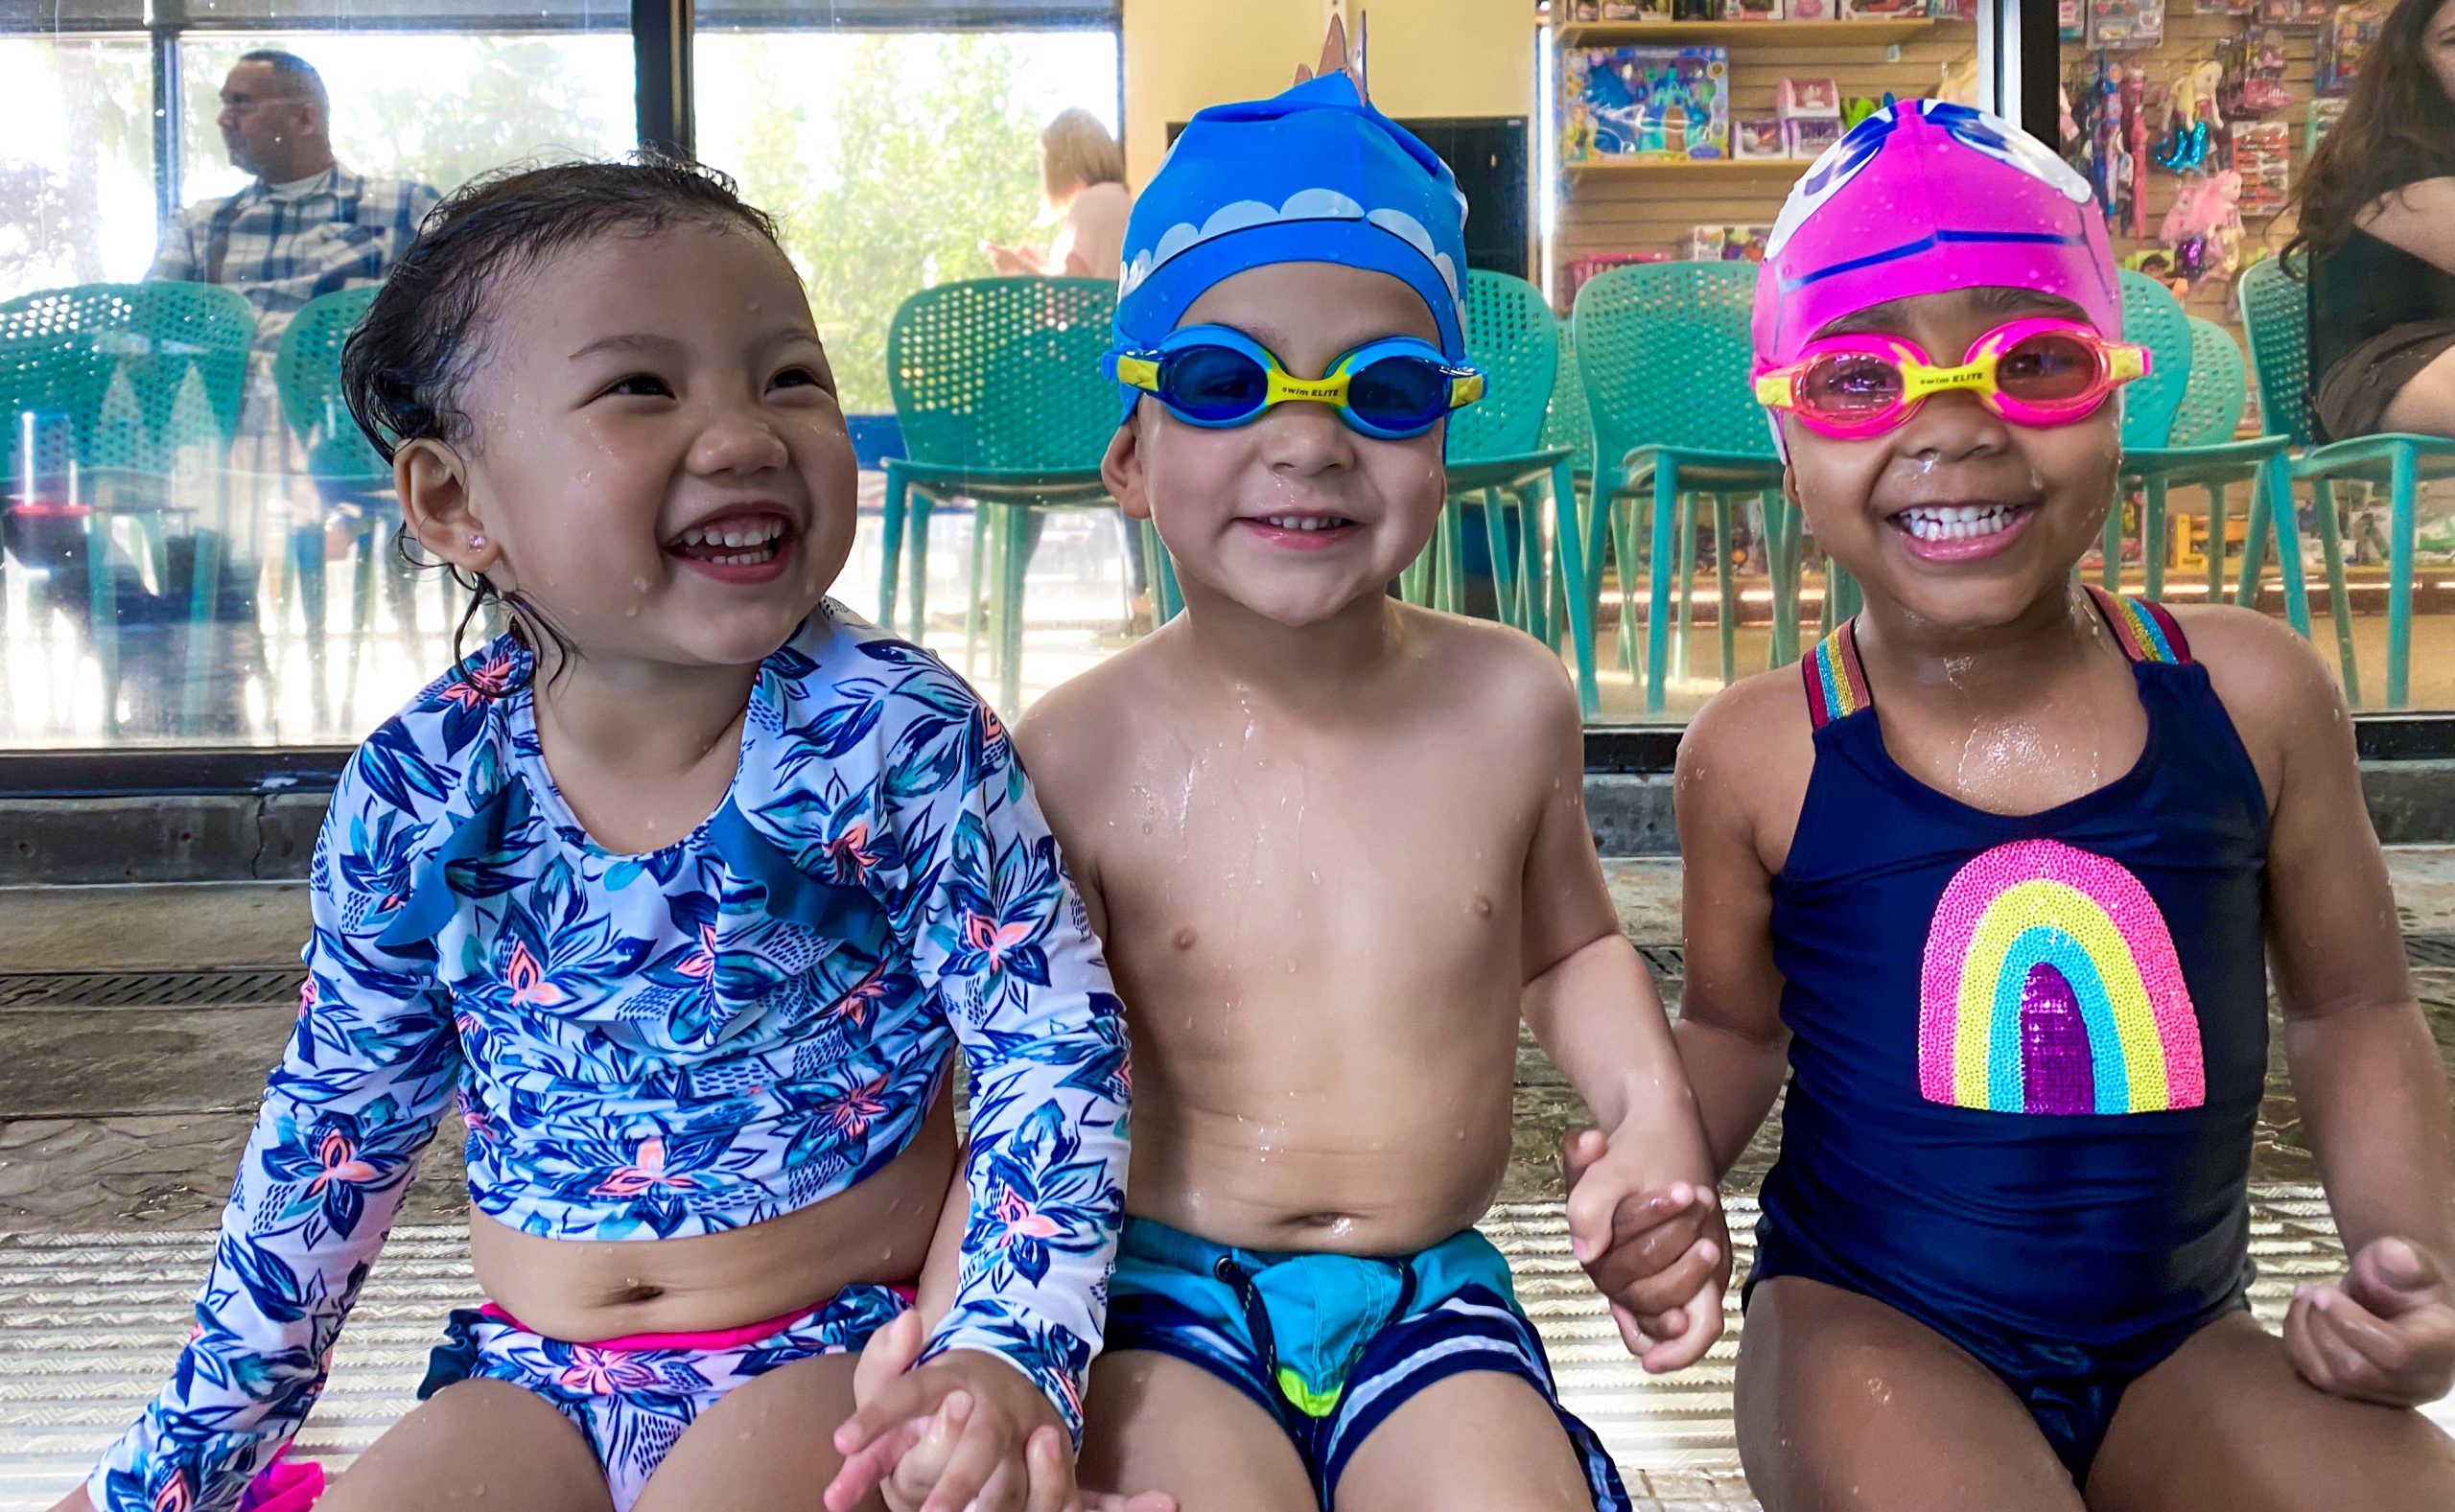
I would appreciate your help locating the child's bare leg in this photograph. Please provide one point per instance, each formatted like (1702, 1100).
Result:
(1845, 1402)
(2226, 1423)
(1480, 1440)
(1155, 1423)
(766, 1446)
(475, 1443)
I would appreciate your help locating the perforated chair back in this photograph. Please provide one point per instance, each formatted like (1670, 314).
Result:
(1514, 336)
(2275, 310)
(2153, 318)
(1003, 374)
(139, 371)
(1666, 355)
(2211, 408)
(308, 371)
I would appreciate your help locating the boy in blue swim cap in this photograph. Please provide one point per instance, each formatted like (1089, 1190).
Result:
(1335, 848)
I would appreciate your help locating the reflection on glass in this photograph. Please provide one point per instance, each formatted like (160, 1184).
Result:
(895, 162)
(2198, 125)
(200, 543)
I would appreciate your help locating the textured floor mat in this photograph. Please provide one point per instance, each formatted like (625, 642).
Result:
(88, 1324)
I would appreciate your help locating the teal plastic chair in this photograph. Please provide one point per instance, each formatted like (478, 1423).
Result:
(1496, 452)
(2275, 308)
(997, 388)
(350, 475)
(145, 376)
(2178, 427)
(1568, 425)
(1666, 356)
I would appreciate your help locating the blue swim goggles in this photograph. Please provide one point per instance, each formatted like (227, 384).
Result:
(1217, 377)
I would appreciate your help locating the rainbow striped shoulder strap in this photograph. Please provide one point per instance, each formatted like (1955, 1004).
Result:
(1836, 685)
(2145, 631)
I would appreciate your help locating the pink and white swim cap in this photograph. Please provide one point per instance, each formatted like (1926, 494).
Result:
(1922, 198)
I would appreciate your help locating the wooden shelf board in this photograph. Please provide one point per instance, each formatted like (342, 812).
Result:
(1736, 35)
(1691, 166)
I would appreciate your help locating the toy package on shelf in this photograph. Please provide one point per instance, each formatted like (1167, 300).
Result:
(1808, 100)
(1955, 10)
(2251, 75)
(2222, 7)
(1886, 9)
(1653, 103)
(1811, 9)
(2262, 155)
(1728, 244)
(1623, 9)
(1758, 139)
(1581, 268)
(1751, 10)
(2070, 22)
(2126, 23)
(2293, 12)
(2352, 31)
(1807, 140)
(2324, 116)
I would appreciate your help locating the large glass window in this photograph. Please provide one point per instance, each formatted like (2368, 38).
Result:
(895, 162)
(76, 161)
(200, 547)
(200, 550)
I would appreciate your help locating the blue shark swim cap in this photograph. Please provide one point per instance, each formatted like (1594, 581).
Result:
(1315, 175)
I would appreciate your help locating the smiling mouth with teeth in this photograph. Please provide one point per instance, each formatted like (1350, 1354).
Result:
(1960, 522)
(1305, 522)
(739, 543)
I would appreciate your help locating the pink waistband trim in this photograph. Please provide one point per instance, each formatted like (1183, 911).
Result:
(697, 1338)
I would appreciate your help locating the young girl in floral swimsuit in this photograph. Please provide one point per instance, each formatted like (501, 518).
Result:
(686, 886)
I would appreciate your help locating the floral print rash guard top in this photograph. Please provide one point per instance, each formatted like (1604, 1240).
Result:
(723, 1030)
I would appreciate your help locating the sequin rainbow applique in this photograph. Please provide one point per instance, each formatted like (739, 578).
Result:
(2050, 986)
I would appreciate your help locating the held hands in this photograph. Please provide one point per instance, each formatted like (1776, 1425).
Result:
(2384, 1334)
(1658, 1251)
(964, 1431)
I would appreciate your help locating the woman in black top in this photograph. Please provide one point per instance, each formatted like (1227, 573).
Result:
(2379, 228)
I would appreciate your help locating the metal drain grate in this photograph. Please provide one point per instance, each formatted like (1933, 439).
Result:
(251, 986)
(1665, 960)
(2430, 950)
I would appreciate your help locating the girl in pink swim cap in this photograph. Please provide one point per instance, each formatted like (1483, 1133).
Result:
(1991, 883)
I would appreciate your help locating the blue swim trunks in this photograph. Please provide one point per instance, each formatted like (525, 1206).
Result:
(1331, 1345)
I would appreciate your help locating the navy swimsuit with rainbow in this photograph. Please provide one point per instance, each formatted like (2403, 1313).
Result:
(2027, 1051)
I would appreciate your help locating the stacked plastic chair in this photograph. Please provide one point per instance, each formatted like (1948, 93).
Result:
(997, 388)
(2276, 307)
(1666, 357)
(144, 378)
(1496, 452)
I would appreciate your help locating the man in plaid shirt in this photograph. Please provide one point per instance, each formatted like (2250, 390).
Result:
(307, 225)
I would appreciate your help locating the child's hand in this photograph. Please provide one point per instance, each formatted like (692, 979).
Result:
(908, 1459)
(2384, 1334)
(1658, 1252)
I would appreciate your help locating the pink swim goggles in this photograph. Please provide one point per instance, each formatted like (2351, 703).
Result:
(2033, 372)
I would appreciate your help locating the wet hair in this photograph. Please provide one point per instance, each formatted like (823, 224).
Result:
(2398, 127)
(294, 72)
(406, 366)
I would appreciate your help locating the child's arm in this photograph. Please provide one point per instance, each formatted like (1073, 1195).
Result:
(368, 1071)
(999, 936)
(1594, 1009)
(1730, 1033)
(2365, 1069)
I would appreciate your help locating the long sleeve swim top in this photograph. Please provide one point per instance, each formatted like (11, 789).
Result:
(723, 1030)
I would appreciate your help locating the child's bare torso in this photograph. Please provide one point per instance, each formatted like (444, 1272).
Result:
(1315, 920)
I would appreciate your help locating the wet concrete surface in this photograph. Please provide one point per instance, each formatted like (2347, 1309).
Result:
(131, 1118)
(135, 1115)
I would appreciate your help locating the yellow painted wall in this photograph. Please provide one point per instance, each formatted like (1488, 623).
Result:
(1427, 58)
